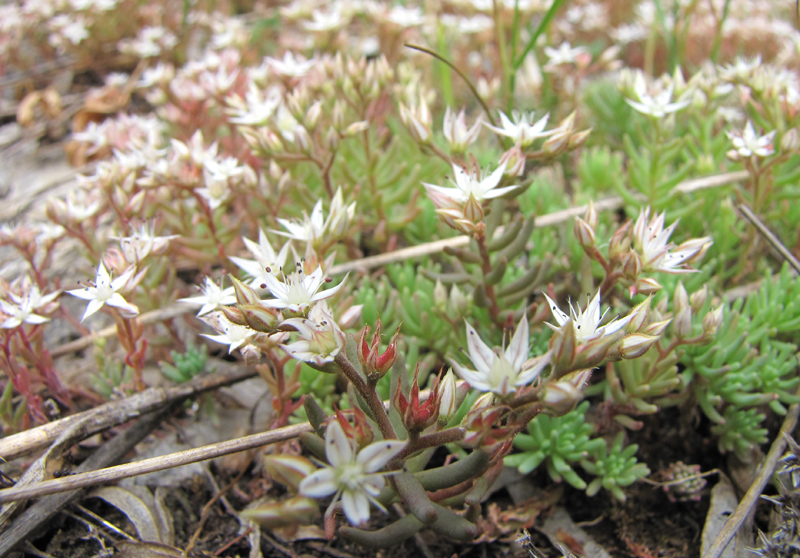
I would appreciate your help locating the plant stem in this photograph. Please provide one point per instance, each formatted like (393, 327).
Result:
(486, 268)
(370, 396)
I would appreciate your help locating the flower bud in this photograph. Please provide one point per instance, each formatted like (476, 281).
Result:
(514, 160)
(646, 286)
(631, 265)
(459, 303)
(376, 365)
(712, 321)
(350, 317)
(332, 139)
(561, 397)
(294, 511)
(790, 141)
(356, 128)
(680, 299)
(590, 216)
(682, 323)
(620, 242)
(638, 314)
(440, 296)
(338, 115)
(698, 299)
(312, 115)
(584, 233)
(259, 318)
(302, 141)
(448, 399)
(656, 328)
(484, 401)
(636, 344)
(473, 210)
(244, 293)
(578, 139)
(289, 470)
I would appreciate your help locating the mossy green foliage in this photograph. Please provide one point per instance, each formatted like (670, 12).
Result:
(614, 467)
(185, 366)
(558, 442)
(750, 365)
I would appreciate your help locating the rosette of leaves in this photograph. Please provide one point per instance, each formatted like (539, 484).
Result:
(185, 366)
(558, 442)
(748, 365)
(614, 467)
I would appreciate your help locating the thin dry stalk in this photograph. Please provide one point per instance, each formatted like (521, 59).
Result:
(172, 460)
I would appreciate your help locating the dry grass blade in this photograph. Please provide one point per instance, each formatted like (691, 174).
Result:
(195, 455)
(116, 412)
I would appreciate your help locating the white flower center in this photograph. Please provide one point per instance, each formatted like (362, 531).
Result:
(500, 372)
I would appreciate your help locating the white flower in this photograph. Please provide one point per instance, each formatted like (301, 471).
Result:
(298, 291)
(21, 308)
(749, 143)
(651, 241)
(522, 130)
(256, 110)
(501, 371)
(315, 228)
(104, 291)
(351, 477)
(658, 106)
(322, 21)
(469, 185)
(267, 262)
(406, 17)
(293, 65)
(321, 338)
(213, 296)
(230, 334)
(586, 323)
(458, 135)
(741, 70)
(142, 243)
(564, 54)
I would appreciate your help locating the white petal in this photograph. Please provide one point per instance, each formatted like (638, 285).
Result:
(559, 316)
(517, 350)
(479, 352)
(376, 455)
(337, 446)
(319, 484)
(93, 306)
(356, 507)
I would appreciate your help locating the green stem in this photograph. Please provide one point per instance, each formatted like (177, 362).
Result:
(543, 25)
(459, 72)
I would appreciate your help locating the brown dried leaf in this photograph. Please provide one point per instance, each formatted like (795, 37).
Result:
(133, 504)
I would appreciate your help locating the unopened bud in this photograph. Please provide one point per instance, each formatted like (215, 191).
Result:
(448, 399)
(294, 511)
(631, 264)
(459, 303)
(584, 233)
(473, 210)
(356, 128)
(561, 397)
(680, 299)
(312, 115)
(350, 318)
(440, 296)
(289, 470)
(514, 160)
(656, 328)
(302, 141)
(698, 299)
(636, 344)
(590, 216)
(484, 401)
(790, 141)
(259, 318)
(638, 314)
(332, 140)
(682, 322)
(244, 293)
(338, 115)
(646, 286)
(234, 315)
(620, 242)
(712, 321)
(578, 139)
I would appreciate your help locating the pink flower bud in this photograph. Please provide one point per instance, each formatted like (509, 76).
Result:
(636, 344)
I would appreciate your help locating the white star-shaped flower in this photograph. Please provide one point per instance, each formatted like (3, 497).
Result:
(586, 322)
(105, 291)
(468, 184)
(501, 371)
(351, 477)
(321, 339)
(658, 106)
(230, 334)
(266, 262)
(212, 297)
(298, 291)
(22, 307)
(748, 143)
(456, 131)
(651, 241)
(523, 130)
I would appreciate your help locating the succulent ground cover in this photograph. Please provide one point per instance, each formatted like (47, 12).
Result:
(460, 278)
